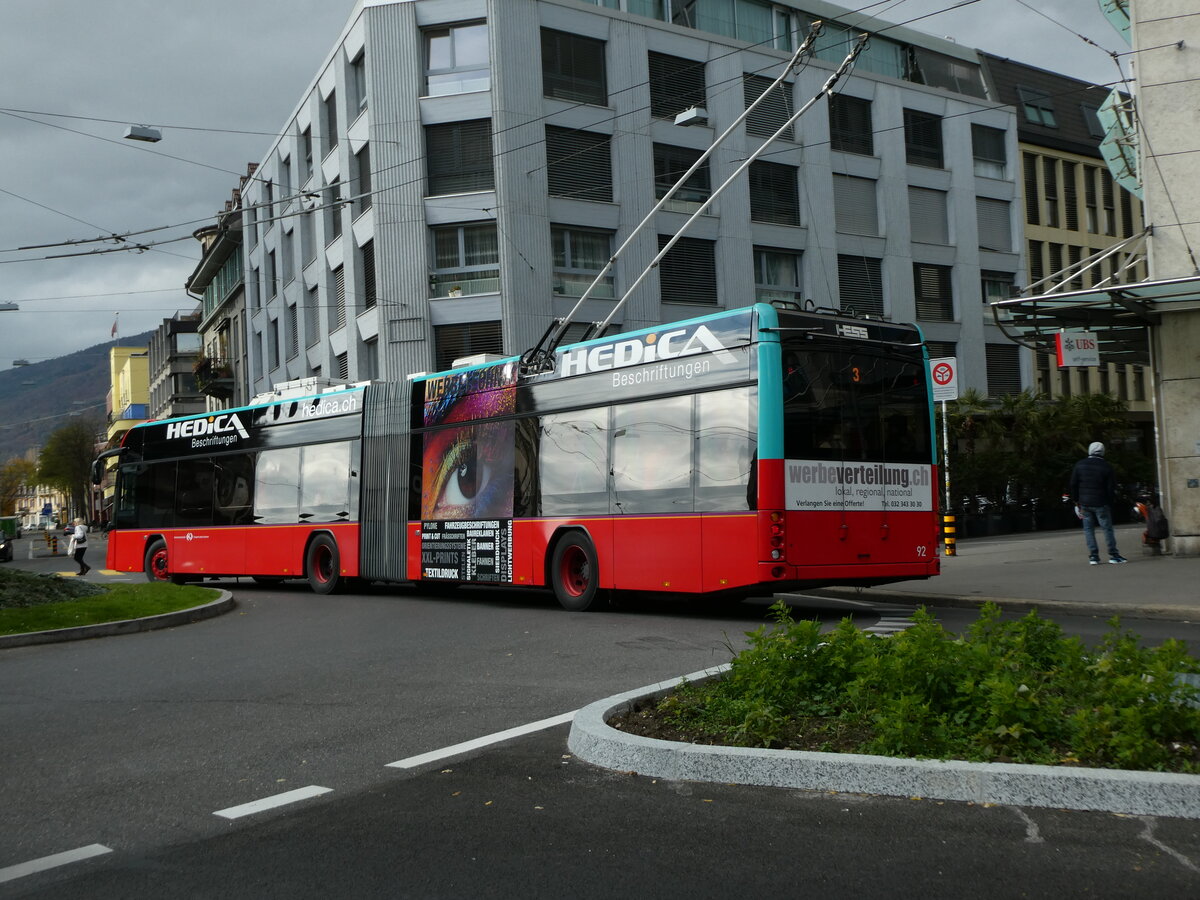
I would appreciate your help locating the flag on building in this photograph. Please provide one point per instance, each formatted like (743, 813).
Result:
(114, 328)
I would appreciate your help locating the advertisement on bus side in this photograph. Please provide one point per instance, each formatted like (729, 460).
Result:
(859, 486)
(462, 550)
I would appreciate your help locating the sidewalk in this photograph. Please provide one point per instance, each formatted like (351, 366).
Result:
(1050, 570)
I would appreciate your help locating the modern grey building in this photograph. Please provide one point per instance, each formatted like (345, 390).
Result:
(458, 171)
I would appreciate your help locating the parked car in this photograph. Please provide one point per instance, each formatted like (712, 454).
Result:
(6, 548)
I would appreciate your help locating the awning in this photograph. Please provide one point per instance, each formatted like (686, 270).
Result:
(1118, 315)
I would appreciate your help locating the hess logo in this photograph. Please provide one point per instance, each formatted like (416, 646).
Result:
(212, 425)
(646, 349)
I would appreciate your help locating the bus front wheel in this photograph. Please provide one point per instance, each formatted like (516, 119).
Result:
(156, 561)
(575, 572)
(323, 564)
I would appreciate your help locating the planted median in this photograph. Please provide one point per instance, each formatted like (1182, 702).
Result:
(1006, 691)
(30, 602)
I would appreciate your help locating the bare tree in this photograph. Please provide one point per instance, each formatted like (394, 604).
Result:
(66, 461)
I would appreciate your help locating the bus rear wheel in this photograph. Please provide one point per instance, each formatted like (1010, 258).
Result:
(575, 573)
(323, 564)
(155, 562)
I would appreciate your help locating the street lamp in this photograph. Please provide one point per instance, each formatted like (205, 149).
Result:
(143, 133)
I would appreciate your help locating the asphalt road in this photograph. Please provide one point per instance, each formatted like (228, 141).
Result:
(135, 743)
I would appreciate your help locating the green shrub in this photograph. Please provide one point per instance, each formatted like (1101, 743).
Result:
(1018, 691)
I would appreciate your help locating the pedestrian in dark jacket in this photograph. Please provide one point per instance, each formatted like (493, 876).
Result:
(1093, 489)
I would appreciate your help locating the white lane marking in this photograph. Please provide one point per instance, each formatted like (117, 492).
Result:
(255, 806)
(1033, 834)
(455, 749)
(50, 862)
(1148, 836)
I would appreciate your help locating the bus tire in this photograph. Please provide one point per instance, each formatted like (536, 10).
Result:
(322, 563)
(155, 561)
(575, 573)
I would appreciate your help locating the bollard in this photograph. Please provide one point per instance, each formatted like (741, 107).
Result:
(948, 535)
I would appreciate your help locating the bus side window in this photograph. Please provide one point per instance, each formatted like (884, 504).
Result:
(277, 487)
(234, 478)
(194, 492)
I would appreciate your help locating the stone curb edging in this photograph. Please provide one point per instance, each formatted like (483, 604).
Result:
(1174, 613)
(1112, 790)
(223, 604)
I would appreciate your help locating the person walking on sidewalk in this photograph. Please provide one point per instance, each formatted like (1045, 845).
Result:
(1093, 488)
(78, 546)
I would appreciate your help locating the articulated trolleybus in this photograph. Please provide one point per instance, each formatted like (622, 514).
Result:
(749, 451)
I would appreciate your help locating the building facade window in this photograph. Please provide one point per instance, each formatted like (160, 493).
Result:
(850, 125)
(676, 84)
(688, 273)
(995, 226)
(1003, 369)
(293, 331)
(995, 286)
(312, 313)
(453, 342)
(1050, 191)
(306, 152)
(456, 59)
(777, 275)
(927, 216)
(860, 284)
(333, 211)
(770, 115)
(367, 267)
(362, 185)
(337, 315)
(370, 359)
(579, 255)
(988, 149)
(272, 276)
(933, 291)
(578, 164)
(466, 260)
(573, 68)
(774, 196)
(358, 81)
(329, 110)
(855, 205)
(459, 157)
(273, 344)
(923, 139)
(1032, 199)
(1037, 106)
(670, 163)
(1070, 196)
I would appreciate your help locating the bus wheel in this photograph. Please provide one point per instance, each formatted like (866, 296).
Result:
(156, 561)
(575, 572)
(323, 564)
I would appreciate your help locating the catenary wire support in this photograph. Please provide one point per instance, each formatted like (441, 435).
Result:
(540, 358)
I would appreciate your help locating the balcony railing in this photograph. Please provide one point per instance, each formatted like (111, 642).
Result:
(214, 376)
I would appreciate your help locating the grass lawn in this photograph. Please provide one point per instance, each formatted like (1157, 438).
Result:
(31, 602)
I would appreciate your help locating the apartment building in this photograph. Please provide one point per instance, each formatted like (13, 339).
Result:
(1073, 211)
(458, 171)
(172, 354)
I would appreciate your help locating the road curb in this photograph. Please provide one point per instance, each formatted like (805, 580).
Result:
(1056, 787)
(223, 604)
(1173, 613)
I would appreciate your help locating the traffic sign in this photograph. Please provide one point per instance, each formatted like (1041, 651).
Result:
(944, 372)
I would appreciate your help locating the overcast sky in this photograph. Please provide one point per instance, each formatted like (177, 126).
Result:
(202, 72)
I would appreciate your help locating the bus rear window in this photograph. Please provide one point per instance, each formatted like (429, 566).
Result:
(858, 405)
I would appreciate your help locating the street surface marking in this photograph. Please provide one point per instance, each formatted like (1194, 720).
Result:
(50, 862)
(1148, 836)
(256, 806)
(454, 750)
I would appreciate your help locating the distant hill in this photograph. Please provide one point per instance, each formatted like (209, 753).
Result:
(38, 398)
